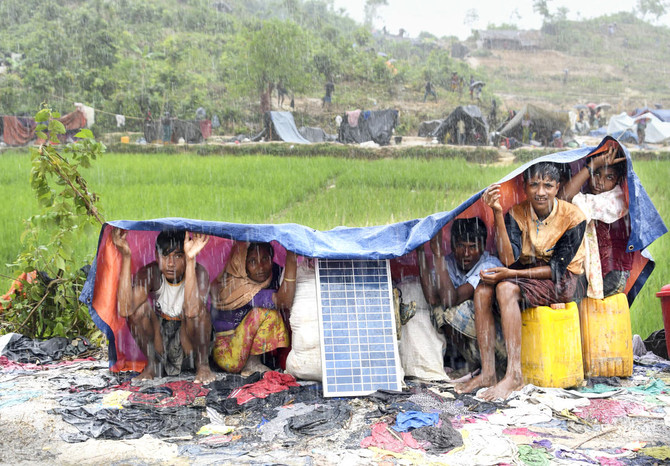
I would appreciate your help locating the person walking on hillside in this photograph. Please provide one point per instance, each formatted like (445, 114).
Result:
(281, 93)
(429, 91)
(328, 98)
(525, 129)
(493, 114)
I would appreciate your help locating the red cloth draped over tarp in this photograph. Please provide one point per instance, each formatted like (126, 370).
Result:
(16, 133)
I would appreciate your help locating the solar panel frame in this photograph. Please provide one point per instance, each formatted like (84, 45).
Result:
(359, 349)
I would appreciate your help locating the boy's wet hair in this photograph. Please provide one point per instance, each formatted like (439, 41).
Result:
(542, 170)
(469, 230)
(169, 241)
(261, 245)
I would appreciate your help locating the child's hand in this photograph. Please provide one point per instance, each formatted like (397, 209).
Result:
(607, 159)
(491, 197)
(194, 244)
(120, 240)
(493, 275)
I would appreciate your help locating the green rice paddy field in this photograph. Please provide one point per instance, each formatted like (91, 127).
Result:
(320, 192)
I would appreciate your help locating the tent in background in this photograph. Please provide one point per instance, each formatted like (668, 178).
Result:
(476, 128)
(662, 114)
(360, 126)
(656, 132)
(426, 128)
(543, 123)
(280, 126)
(396, 242)
(314, 134)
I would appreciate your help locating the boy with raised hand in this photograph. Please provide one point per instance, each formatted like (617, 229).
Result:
(540, 242)
(165, 304)
(608, 262)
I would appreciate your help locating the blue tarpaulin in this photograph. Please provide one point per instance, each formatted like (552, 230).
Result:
(396, 241)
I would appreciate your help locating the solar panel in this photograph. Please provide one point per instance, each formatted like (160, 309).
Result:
(359, 351)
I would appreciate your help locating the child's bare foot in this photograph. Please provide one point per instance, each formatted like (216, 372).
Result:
(503, 389)
(475, 383)
(204, 375)
(253, 365)
(148, 373)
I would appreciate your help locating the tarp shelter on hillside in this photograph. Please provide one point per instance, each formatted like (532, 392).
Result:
(359, 126)
(280, 126)
(656, 131)
(543, 123)
(18, 131)
(172, 130)
(426, 128)
(476, 127)
(314, 134)
(396, 242)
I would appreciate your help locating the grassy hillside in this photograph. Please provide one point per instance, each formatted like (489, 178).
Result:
(627, 69)
(134, 56)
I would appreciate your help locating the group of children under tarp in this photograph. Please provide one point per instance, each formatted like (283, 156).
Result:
(550, 250)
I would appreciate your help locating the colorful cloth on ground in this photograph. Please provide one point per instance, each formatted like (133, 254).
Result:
(382, 437)
(607, 208)
(261, 331)
(409, 420)
(272, 382)
(606, 411)
(534, 456)
(169, 395)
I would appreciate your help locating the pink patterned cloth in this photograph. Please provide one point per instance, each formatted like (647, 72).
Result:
(383, 438)
(352, 118)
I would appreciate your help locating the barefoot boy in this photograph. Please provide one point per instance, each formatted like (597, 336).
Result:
(540, 242)
(165, 304)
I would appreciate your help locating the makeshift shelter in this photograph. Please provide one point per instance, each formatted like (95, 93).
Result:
(397, 242)
(313, 134)
(662, 114)
(360, 126)
(280, 126)
(543, 123)
(188, 130)
(656, 132)
(426, 128)
(476, 127)
(18, 131)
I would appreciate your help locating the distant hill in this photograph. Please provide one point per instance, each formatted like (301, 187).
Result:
(132, 57)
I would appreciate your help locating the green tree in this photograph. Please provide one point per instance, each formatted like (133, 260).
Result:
(49, 306)
(542, 7)
(272, 51)
(371, 8)
(655, 8)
